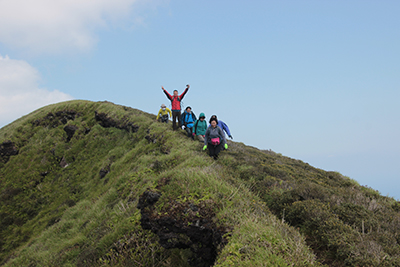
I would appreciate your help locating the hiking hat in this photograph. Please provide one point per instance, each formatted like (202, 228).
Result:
(214, 116)
(163, 106)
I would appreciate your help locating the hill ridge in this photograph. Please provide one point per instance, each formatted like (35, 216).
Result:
(74, 194)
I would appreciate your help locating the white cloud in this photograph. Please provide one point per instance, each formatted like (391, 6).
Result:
(53, 26)
(20, 92)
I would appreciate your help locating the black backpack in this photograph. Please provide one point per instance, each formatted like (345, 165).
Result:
(195, 126)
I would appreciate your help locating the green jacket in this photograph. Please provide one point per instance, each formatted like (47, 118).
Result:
(200, 127)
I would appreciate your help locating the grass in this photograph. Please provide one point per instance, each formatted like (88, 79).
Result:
(344, 223)
(277, 211)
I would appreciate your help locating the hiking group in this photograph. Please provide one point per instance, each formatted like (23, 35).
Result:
(212, 135)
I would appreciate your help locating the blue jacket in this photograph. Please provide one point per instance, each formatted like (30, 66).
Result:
(188, 119)
(224, 127)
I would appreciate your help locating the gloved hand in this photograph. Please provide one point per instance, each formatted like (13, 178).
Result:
(204, 147)
(193, 134)
(226, 146)
(230, 137)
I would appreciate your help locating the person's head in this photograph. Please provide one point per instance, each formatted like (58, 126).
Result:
(163, 107)
(213, 117)
(213, 122)
(175, 92)
(188, 109)
(202, 117)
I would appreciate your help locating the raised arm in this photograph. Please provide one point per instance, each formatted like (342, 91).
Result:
(166, 93)
(184, 92)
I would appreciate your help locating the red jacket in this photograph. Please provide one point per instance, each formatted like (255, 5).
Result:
(176, 101)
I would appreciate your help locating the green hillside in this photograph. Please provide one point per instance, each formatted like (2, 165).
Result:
(96, 184)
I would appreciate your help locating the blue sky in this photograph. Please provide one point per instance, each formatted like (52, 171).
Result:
(313, 80)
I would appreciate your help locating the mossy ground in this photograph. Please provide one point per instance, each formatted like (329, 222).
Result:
(69, 214)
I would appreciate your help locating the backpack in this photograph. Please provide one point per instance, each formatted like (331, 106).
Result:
(173, 97)
(184, 115)
(195, 126)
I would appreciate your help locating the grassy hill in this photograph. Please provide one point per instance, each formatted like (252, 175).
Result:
(97, 184)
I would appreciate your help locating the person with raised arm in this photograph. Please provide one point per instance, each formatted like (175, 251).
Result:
(176, 105)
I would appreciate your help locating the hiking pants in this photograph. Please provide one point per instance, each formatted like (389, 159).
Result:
(201, 138)
(213, 151)
(176, 114)
(164, 118)
(189, 132)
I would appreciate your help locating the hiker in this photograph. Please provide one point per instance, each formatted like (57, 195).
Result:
(176, 105)
(200, 128)
(214, 139)
(188, 118)
(163, 112)
(223, 126)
